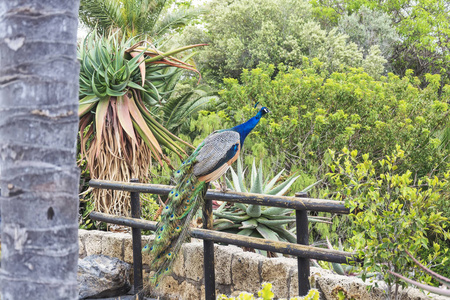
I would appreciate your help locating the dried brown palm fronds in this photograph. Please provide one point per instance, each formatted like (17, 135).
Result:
(117, 163)
(118, 134)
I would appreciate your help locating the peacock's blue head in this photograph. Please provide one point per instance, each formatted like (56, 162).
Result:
(245, 128)
(262, 112)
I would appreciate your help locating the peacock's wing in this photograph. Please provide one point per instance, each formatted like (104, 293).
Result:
(218, 151)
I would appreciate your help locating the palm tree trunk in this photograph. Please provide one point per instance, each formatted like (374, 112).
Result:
(38, 126)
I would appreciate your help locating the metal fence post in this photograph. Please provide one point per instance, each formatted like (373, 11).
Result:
(208, 254)
(137, 241)
(302, 238)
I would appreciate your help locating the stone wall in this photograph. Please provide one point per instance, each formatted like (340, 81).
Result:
(236, 271)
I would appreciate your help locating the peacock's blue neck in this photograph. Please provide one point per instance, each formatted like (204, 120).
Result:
(245, 128)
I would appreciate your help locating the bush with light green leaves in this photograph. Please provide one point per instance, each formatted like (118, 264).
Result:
(390, 212)
(241, 34)
(312, 111)
(370, 27)
(423, 27)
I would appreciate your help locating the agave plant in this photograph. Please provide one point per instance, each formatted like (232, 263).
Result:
(254, 220)
(119, 82)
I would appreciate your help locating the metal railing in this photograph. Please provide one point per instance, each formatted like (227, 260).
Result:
(301, 203)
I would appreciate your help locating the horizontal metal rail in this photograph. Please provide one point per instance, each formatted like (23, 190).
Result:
(239, 240)
(247, 198)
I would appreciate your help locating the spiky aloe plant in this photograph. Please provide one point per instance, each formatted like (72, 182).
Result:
(119, 81)
(254, 220)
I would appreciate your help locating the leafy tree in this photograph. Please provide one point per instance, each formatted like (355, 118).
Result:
(38, 129)
(185, 102)
(370, 27)
(242, 34)
(423, 27)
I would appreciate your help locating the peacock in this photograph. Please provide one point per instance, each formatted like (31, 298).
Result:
(210, 160)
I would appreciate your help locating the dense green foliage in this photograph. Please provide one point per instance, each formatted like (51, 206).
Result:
(241, 34)
(423, 26)
(368, 28)
(313, 111)
(390, 213)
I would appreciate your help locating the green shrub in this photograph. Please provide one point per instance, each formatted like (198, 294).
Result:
(241, 34)
(390, 213)
(422, 25)
(370, 27)
(313, 111)
(254, 220)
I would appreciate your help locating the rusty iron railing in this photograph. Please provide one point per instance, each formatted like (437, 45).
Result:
(301, 203)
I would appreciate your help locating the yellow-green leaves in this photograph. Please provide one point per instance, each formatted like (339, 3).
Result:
(266, 293)
(391, 210)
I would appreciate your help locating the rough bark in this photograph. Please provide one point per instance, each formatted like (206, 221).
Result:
(38, 127)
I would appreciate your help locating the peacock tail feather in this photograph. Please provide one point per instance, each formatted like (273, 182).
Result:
(183, 202)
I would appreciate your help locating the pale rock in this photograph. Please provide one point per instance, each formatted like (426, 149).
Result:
(102, 276)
